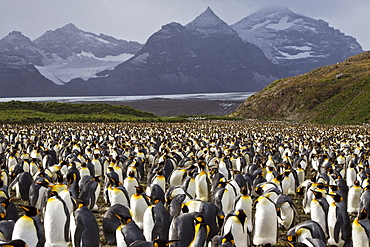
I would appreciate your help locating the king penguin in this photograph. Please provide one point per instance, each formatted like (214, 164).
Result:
(84, 228)
(138, 204)
(361, 230)
(338, 222)
(111, 222)
(128, 232)
(29, 228)
(265, 222)
(56, 222)
(235, 223)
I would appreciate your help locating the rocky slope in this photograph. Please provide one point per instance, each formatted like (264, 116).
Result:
(204, 56)
(335, 94)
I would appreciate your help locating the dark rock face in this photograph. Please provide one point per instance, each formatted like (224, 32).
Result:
(18, 77)
(204, 56)
(17, 44)
(296, 43)
(70, 40)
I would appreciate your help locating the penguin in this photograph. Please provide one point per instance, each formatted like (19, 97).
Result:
(118, 194)
(9, 209)
(21, 185)
(6, 230)
(188, 183)
(338, 222)
(361, 229)
(175, 204)
(319, 210)
(156, 221)
(138, 204)
(306, 229)
(127, 232)
(235, 223)
(130, 182)
(213, 217)
(111, 222)
(244, 201)
(221, 198)
(265, 222)
(182, 228)
(56, 222)
(90, 193)
(365, 199)
(29, 227)
(177, 176)
(201, 231)
(202, 184)
(38, 192)
(353, 200)
(159, 179)
(285, 210)
(84, 228)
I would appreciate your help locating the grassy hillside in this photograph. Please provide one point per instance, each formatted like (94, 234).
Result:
(33, 112)
(335, 94)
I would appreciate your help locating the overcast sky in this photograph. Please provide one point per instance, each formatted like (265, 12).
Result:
(136, 20)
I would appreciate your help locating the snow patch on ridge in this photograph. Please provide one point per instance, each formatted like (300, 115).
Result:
(83, 65)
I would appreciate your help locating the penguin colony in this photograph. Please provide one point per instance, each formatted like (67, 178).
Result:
(194, 184)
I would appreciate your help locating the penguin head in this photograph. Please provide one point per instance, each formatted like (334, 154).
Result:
(124, 219)
(362, 214)
(15, 243)
(244, 191)
(30, 210)
(317, 194)
(228, 238)
(162, 243)
(139, 189)
(241, 216)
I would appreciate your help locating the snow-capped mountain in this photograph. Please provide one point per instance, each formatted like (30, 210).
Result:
(206, 55)
(294, 42)
(73, 53)
(69, 53)
(15, 43)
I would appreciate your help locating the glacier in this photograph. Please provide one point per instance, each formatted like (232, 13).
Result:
(83, 65)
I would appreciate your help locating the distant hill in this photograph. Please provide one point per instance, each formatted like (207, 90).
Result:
(335, 94)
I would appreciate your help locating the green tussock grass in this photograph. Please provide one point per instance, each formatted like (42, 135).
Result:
(16, 112)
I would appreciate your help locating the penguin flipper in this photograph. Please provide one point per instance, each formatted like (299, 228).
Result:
(337, 228)
(78, 233)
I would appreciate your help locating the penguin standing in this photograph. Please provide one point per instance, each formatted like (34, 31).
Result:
(285, 210)
(29, 227)
(156, 221)
(339, 227)
(265, 222)
(353, 199)
(361, 230)
(139, 202)
(111, 221)
(244, 201)
(56, 222)
(319, 210)
(128, 232)
(84, 228)
(202, 184)
(90, 193)
(183, 228)
(235, 223)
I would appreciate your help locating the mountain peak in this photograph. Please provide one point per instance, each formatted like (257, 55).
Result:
(209, 23)
(69, 28)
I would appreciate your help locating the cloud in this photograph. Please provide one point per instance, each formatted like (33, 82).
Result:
(138, 19)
